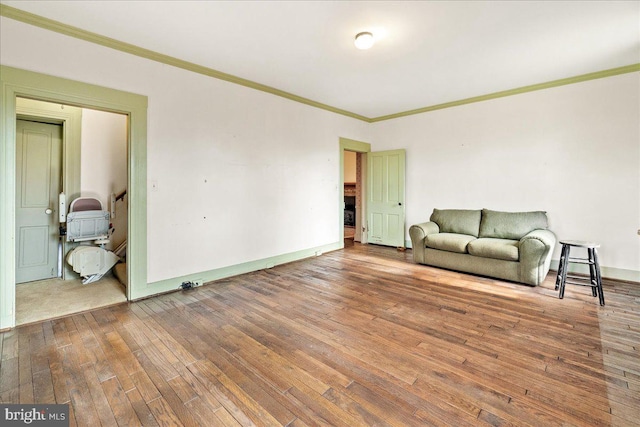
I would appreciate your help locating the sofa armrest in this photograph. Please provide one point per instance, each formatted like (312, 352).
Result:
(545, 237)
(418, 233)
(536, 249)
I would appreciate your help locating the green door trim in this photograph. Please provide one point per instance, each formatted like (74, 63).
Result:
(71, 120)
(358, 147)
(27, 84)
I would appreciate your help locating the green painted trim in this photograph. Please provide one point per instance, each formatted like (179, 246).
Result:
(7, 208)
(531, 88)
(353, 145)
(71, 119)
(21, 83)
(49, 24)
(173, 284)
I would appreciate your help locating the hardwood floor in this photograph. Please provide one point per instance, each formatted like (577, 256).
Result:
(360, 336)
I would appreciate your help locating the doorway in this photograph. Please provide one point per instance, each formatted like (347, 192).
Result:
(382, 203)
(91, 162)
(352, 197)
(352, 203)
(14, 83)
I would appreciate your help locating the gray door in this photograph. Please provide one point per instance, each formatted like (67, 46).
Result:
(38, 183)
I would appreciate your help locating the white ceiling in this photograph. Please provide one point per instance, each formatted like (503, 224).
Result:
(427, 52)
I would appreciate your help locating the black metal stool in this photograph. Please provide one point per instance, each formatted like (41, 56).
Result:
(594, 280)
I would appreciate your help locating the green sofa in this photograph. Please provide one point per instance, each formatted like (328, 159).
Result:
(514, 246)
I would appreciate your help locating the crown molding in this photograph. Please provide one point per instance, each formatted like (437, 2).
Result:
(49, 24)
(58, 27)
(524, 89)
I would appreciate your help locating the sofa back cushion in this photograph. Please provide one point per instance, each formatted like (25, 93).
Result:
(459, 221)
(511, 225)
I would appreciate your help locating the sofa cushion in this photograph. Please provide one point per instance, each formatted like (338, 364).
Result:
(449, 242)
(511, 225)
(494, 248)
(460, 221)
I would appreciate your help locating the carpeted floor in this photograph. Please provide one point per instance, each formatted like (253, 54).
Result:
(48, 299)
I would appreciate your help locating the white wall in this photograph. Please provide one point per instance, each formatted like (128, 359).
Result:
(103, 163)
(573, 151)
(241, 175)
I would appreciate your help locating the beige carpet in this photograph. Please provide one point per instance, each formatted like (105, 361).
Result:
(48, 299)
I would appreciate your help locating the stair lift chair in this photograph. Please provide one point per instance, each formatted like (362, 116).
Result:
(87, 221)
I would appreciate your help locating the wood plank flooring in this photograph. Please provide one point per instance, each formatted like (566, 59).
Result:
(360, 336)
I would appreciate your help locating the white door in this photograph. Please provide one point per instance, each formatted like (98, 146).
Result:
(38, 183)
(386, 198)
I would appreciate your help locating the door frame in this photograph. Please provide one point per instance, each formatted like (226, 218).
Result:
(358, 147)
(27, 84)
(70, 118)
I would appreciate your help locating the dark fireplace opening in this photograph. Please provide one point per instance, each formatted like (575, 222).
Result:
(350, 211)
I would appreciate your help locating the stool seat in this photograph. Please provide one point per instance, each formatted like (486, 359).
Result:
(595, 279)
(579, 243)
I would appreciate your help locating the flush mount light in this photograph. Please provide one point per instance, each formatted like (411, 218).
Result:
(364, 40)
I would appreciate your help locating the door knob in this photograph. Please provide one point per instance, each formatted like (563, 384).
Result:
(48, 211)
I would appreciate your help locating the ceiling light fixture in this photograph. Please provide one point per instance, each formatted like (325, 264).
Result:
(364, 40)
